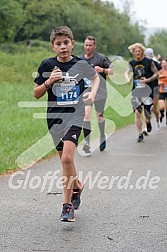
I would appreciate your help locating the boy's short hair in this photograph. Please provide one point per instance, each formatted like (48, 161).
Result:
(61, 31)
(91, 38)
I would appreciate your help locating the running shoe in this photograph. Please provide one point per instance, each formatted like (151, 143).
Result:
(145, 132)
(149, 126)
(102, 143)
(86, 148)
(76, 196)
(67, 213)
(140, 138)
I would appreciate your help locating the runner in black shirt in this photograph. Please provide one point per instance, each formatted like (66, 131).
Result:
(144, 73)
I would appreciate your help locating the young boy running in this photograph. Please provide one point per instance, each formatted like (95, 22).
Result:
(62, 77)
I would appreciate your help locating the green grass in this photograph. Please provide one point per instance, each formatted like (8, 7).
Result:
(19, 129)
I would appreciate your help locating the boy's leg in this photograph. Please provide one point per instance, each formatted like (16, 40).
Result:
(77, 183)
(72, 186)
(59, 144)
(67, 158)
(69, 171)
(66, 149)
(69, 180)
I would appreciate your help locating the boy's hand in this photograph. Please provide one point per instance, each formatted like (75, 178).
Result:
(56, 75)
(89, 97)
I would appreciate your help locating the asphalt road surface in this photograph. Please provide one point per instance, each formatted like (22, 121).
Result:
(124, 206)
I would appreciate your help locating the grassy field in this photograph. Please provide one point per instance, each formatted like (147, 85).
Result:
(20, 130)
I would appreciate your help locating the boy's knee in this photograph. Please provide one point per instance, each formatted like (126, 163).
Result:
(66, 159)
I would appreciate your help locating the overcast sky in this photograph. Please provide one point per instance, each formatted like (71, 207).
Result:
(153, 11)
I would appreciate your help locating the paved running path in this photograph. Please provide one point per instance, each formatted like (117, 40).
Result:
(118, 217)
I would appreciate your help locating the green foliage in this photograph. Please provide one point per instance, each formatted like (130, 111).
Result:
(11, 18)
(19, 130)
(25, 20)
(158, 42)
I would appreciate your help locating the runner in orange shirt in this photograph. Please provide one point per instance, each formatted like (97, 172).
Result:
(162, 81)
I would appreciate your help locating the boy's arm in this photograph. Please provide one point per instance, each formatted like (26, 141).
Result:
(90, 96)
(40, 90)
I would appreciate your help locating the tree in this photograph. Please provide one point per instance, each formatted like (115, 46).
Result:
(11, 18)
(34, 19)
(158, 42)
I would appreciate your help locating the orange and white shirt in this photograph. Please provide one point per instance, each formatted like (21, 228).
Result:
(162, 81)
